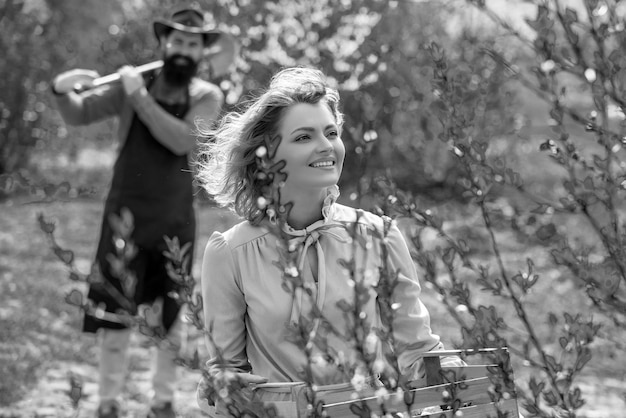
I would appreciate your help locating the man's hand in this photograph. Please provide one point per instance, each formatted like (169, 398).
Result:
(73, 80)
(131, 79)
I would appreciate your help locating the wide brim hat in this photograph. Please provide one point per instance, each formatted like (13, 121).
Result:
(222, 48)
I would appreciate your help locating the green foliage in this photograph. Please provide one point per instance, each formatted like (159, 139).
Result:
(36, 45)
(372, 48)
(565, 53)
(21, 106)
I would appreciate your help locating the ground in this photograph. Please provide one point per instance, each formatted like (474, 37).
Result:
(50, 398)
(41, 345)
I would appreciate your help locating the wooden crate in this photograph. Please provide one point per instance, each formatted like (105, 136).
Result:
(473, 391)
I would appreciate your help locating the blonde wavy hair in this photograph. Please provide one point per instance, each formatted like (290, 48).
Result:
(227, 163)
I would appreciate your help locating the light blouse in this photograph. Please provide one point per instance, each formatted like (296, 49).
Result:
(247, 309)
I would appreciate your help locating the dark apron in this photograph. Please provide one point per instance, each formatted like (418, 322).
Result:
(156, 186)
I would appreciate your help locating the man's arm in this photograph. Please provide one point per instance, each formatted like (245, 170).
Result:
(87, 106)
(178, 135)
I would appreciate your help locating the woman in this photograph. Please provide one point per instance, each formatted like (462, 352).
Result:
(254, 304)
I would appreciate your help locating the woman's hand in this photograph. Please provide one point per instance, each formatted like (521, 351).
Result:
(250, 379)
(210, 384)
(206, 394)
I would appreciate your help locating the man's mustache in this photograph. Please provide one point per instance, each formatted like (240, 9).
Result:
(180, 60)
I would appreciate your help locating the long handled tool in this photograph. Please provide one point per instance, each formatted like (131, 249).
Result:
(107, 79)
(112, 78)
(220, 55)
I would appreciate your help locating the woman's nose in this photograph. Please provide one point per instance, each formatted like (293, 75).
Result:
(324, 144)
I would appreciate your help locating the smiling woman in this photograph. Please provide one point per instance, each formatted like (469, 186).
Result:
(313, 153)
(278, 293)
(231, 172)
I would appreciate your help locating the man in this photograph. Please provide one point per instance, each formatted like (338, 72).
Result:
(157, 114)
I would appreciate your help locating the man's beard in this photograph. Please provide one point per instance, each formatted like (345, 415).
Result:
(179, 74)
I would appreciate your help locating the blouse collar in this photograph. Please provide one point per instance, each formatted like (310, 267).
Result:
(328, 212)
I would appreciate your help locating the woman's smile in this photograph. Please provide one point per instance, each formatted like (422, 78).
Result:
(323, 164)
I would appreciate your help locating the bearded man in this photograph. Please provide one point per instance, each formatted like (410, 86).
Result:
(152, 181)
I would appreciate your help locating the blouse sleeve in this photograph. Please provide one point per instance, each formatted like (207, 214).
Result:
(411, 323)
(224, 308)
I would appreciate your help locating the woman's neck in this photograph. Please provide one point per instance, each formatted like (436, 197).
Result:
(306, 209)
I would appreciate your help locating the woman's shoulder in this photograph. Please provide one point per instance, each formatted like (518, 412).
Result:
(239, 235)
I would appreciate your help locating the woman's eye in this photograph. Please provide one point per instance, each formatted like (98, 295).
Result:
(302, 138)
(332, 134)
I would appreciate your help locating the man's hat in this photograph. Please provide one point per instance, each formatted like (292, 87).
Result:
(222, 47)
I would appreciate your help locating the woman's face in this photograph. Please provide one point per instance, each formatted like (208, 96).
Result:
(311, 146)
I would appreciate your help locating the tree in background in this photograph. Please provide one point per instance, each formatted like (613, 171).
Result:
(35, 41)
(561, 202)
(373, 48)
